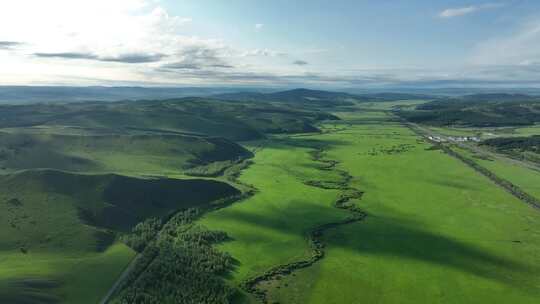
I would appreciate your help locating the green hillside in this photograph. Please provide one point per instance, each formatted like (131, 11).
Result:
(156, 154)
(193, 116)
(481, 110)
(55, 223)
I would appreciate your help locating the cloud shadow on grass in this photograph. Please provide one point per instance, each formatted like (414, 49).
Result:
(380, 235)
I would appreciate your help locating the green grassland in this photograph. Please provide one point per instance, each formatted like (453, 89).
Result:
(73, 177)
(270, 227)
(528, 131)
(194, 116)
(436, 231)
(58, 230)
(524, 177)
(61, 277)
(157, 154)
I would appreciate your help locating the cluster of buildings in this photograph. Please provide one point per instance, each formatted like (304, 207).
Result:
(453, 138)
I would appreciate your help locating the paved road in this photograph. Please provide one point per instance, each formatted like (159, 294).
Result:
(120, 279)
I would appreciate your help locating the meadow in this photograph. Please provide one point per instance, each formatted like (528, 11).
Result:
(76, 178)
(348, 210)
(525, 177)
(269, 228)
(435, 231)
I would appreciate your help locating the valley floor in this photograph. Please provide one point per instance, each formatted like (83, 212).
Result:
(436, 231)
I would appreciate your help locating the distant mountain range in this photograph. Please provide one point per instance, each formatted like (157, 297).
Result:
(54, 94)
(317, 96)
(63, 94)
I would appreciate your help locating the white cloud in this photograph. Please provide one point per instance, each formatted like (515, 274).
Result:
(99, 37)
(259, 26)
(263, 53)
(521, 47)
(455, 12)
(462, 11)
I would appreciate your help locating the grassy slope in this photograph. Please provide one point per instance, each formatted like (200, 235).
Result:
(42, 214)
(436, 232)
(126, 154)
(72, 277)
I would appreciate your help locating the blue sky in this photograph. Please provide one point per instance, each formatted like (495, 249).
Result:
(348, 43)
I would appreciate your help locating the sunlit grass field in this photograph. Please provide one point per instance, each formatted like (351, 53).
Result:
(269, 228)
(436, 231)
(527, 179)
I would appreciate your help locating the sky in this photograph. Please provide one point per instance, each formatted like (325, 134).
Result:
(310, 43)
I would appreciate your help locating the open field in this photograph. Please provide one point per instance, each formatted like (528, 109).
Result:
(436, 231)
(527, 178)
(269, 228)
(356, 209)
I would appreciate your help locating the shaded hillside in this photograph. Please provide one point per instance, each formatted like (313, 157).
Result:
(381, 97)
(56, 211)
(319, 98)
(485, 110)
(527, 148)
(207, 117)
(132, 154)
(296, 96)
(57, 94)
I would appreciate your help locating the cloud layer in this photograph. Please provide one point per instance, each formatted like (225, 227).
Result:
(462, 11)
(140, 42)
(121, 58)
(8, 45)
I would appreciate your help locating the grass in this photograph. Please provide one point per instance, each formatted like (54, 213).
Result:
(269, 228)
(67, 277)
(59, 228)
(528, 131)
(525, 178)
(436, 231)
(157, 154)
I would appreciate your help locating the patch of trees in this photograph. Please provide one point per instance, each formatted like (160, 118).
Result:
(143, 234)
(177, 264)
(395, 149)
(531, 143)
(476, 113)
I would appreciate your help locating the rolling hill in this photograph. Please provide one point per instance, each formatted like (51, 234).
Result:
(480, 110)
(236, 121)
(58, 230)
(296, 96)
(146, 154)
